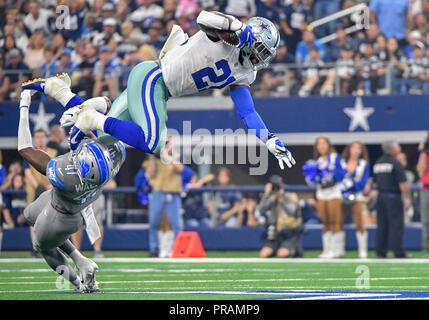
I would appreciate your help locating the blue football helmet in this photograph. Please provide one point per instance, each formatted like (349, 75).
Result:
(264, 49)
(93, 162)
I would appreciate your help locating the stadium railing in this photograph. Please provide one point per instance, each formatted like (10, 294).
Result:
(390, 82)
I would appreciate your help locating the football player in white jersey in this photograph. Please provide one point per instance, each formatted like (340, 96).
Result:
(225, 52)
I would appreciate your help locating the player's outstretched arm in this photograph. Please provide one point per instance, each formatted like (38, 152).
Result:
(246, 110)
(37, 158)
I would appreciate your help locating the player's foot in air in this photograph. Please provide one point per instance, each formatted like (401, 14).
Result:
(52, 86)
(88, 269)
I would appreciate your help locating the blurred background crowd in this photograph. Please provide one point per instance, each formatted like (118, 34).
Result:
(99, 41)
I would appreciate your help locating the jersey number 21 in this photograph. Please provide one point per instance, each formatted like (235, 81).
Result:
(207, 78)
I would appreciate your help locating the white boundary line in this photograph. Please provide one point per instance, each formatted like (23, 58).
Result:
(231, 260)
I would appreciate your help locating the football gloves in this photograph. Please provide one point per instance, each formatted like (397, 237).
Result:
(278, 149)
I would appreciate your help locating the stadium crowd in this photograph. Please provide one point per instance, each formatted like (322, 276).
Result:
(99, 41)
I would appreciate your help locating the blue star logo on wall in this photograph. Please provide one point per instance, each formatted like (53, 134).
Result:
(41, 119)
(358, 115)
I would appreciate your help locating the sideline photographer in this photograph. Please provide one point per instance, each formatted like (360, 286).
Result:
(283, 221)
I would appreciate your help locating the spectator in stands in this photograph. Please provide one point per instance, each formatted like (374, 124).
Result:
(224, 206)
(321, 9)
(294, 23)
(85, 81)
(58, 45)
(275, 77)
(370, 68)
(14, 75)
(308, 42)
(423, 171)
(49, 66)
(355, 161)
(126, 45)
(346, 70)
(129, 62)
(326, 173)
(164, 177)
(147, 9)
(414, 70)
(65, 63)
(56, 138)
(78, 53)
(340, 42)
(195, 214)
(106, 70)
(14, 169)
(391, 17)
(392, 59)
(109, 33)
(15, 27)
(155, 36)
(9, 44)
(122, 11)
(391, 182)
(380, 48)
(34, 55)
(283, 221)
(187, 9)
(241, 9)
(75, 19)
(270, 10)
(37, 18)
(14, 205)
(315, 76)
(170, 7)
(89, 27)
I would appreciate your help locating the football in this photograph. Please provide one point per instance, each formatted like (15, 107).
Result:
(228, 37)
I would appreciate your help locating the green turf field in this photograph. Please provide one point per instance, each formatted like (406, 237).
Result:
(235, 275)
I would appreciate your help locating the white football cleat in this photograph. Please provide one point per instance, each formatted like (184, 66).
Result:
(58, 87)
(89, 119)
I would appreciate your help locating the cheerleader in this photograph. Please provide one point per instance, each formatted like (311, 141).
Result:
(325, 172)
(355, 162)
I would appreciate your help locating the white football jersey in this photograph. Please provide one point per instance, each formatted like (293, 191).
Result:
(200, 64)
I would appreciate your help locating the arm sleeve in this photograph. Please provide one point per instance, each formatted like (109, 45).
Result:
(25, 139)
(218, 21)
(246, 110)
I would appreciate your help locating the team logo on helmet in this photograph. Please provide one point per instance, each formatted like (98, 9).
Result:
(93, 162)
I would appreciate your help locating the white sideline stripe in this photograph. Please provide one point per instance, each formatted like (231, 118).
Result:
(224, 280)
(291, 290)
(231, 260)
